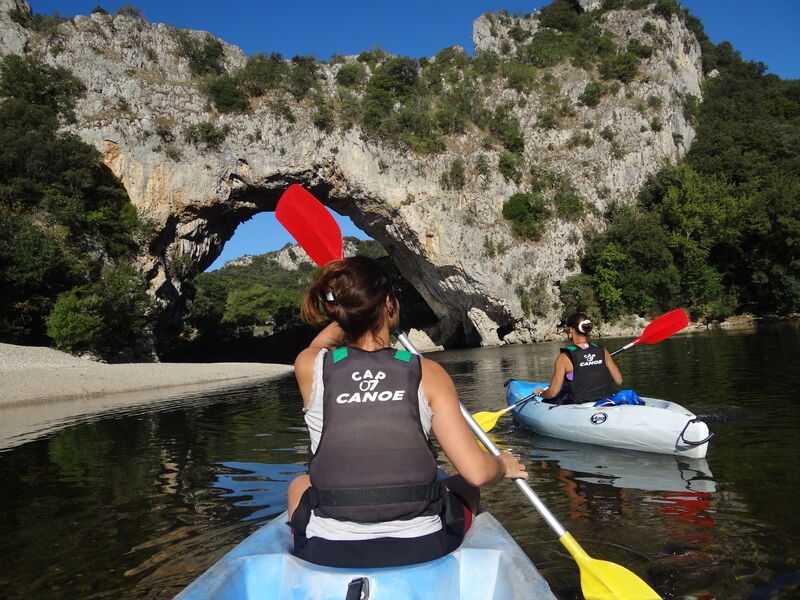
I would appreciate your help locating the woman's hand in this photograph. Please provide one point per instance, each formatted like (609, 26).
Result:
(538, 391)
(512, 467)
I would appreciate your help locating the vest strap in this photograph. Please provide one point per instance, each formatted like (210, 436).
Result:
(395, 494)
(403, 355)
(339, 354)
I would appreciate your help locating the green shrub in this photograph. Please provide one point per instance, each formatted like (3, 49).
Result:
(509, 167)
(206, 135)
(547, 119)
(99, 10)
(303, 76)
(519, 76)
(372, 57)
(130, 10)
(263, 73)
(656, 125)
(577, 295)
(591, 94)
(450, 119)
(654, 102)
(567, 202)
(639, 49)
(518, 34)
(226, 94)
(46, 24)
(527, 212)
(455, 177)
(562, 15)
(106, 317)
(507, 129)
(485, 64)
(649, 28)
(33, 82)
(667, 8)
(622, 66)
(351, 74)
(205, 56)
(323, 118)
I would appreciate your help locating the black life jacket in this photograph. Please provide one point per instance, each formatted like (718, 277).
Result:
(591, 379)
(373, 462)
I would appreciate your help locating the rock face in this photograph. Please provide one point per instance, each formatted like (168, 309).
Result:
(455, 247)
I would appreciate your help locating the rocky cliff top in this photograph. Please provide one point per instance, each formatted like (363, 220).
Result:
(568, 128)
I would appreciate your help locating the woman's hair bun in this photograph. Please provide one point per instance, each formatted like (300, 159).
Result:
(585, 326)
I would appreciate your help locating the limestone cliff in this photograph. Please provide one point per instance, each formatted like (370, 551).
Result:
(453, 245)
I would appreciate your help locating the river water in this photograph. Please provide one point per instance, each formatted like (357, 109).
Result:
(136, 504)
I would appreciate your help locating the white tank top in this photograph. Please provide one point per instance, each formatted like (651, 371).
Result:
(333, 529)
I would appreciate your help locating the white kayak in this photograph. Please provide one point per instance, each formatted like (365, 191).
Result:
(489, 565)
(657, 426)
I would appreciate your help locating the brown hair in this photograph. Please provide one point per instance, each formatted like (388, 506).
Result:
(580, 323)
(352, 292)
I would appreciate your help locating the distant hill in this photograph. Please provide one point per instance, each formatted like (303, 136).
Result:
(249, 309)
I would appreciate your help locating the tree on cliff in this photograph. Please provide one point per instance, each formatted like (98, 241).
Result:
(63, 217)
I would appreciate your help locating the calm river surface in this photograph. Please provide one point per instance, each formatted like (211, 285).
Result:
(138, 504)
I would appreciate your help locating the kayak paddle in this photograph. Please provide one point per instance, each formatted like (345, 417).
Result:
(659, 329)
(309, 222)
(487, 420)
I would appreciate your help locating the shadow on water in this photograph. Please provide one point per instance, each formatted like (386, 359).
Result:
(137, 504)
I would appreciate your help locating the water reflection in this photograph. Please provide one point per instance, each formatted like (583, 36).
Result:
(257, 486)
(625, 469)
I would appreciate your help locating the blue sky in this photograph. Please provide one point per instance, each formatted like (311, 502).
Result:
(764, 30)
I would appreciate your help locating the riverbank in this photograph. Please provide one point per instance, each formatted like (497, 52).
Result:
(30, 374)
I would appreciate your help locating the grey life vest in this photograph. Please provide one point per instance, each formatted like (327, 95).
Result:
(373, 462)
(591, 379)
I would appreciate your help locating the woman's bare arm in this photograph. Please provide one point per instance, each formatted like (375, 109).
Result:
(560, 369)
(476, 466)
(613, 369)
(331, 336)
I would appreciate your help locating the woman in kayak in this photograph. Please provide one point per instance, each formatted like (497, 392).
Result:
(584, 371)
(371, 498)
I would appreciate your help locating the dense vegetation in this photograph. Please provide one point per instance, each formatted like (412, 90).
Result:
(260, 299)
(67, 227)
(718, 233)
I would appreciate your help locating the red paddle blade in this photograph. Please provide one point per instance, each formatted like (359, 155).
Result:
(311, 224)
(663, 327)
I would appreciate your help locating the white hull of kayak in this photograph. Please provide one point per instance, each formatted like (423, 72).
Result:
(489, 565)
(658, 426)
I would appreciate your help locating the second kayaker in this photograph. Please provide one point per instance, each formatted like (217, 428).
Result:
(371, 498)
(584, 371)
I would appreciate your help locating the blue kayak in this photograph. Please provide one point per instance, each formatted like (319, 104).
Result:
(655, 426)
(489, 565)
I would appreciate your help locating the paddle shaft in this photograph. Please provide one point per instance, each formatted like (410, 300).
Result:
(625, 347)
(489, 445)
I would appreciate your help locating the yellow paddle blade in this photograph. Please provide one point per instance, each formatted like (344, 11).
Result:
(603, 580)
(487, 420)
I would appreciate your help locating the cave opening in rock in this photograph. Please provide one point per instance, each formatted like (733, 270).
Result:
(245, 306)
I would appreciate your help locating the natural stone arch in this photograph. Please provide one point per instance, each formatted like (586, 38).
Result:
(439, 238)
